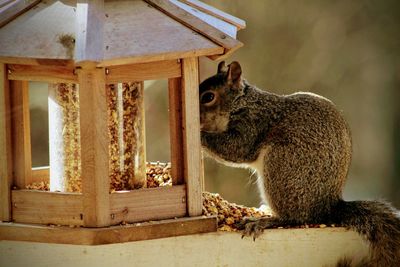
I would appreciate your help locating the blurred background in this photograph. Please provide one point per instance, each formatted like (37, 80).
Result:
(347, 51)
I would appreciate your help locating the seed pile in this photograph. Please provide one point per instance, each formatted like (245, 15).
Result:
(228, 214)
(158, 174)
(43, 186)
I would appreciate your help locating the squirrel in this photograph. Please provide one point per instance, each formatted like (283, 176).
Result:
(300, 146)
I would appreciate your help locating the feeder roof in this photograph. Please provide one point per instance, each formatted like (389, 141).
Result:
(113, 32)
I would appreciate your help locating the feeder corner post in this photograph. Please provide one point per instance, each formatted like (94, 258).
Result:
(94, 146)
(191, 135)
(5, 147)
(93, 113)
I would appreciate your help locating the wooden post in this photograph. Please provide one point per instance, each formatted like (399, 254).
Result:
(21, 133)
(94, 146)
(93, 113)
(191, 135)
(5, 147)
(175, 128)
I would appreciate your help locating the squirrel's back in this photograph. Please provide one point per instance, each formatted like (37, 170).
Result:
(311, 144)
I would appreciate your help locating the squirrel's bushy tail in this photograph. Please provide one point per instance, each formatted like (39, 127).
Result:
(378, 222)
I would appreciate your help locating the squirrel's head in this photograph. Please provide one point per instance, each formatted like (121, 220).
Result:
(217, 96)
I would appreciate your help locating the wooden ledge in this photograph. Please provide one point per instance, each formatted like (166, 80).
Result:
(277, 247)
(107, 235)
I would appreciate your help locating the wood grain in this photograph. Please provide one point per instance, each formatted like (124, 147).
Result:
(239, 23)
(94, 146)
(109, 235)
(37, 61)
(196, 24)
(33, 38)
(136, 32)
(50, 74)
(175, 129)
(5, 147)
(21, 133)
(215, 22)
(191, 135)
(143, 71)
(90, 31)
(148, 204)
(35, 35)
(14, 8)
(30, 206)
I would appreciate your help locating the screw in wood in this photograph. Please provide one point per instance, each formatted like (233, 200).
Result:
(223, 36)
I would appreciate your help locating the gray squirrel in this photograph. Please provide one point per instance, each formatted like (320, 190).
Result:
(300, 147)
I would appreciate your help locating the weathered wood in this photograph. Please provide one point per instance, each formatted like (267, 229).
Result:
(41, 174)
(94, 146)
(175, 129)
(148, 204)
(135, 32)
(51, 74)
(109, 235)
(143, 71)
(5, 147)
(191, 135)
(29, 206)
(5, 2)
(21, 134)
(38, 61)
(215, 22)
(12, 9)
(43, 35)
(90, 30)
(239, 23)
(196, 24)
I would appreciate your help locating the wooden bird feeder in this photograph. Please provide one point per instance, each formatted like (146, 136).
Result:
(93, 44)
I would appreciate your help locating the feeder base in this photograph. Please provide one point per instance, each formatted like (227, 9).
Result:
(107, 235)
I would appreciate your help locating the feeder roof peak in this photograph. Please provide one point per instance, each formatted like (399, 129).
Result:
(113, 32)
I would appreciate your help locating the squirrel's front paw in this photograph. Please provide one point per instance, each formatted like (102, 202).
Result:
(255, 226)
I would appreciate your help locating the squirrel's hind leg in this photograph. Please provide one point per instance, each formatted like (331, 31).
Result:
(252, 226)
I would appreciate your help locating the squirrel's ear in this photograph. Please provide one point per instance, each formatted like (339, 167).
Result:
(234, 73)
(222, 67)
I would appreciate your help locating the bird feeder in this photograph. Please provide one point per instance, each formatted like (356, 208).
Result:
(95, 55)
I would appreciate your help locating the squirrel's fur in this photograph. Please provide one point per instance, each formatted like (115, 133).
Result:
(302, 147)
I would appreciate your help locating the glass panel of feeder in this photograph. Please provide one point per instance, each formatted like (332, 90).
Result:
(157, 134)
(126, 131)
(64, 137)
(39, 123)
(127, 136)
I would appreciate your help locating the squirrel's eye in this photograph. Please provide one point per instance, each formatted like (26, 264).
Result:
(207, 97)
